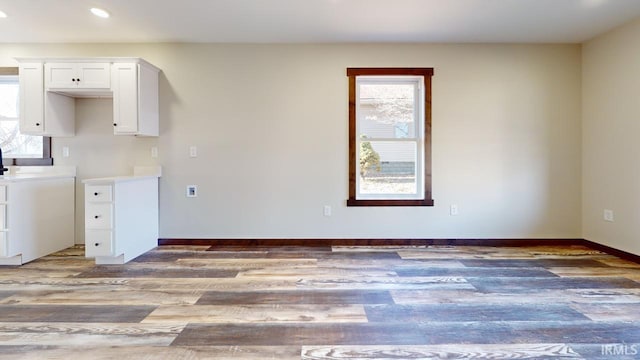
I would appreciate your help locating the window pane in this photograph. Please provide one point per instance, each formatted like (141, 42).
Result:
(387, 111)
(387, 167)
(12, 143)
(8, 99)
(16, 145)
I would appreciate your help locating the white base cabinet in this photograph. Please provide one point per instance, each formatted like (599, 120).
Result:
(37, 217)
(121, 218)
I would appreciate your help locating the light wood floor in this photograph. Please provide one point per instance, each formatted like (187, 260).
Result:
(180, 302)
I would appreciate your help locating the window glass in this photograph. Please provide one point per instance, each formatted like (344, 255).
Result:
(12, 143)
(390, 146)
(383, 107)
(387, 168)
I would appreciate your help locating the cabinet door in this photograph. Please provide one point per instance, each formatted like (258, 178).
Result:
(60, 76)
(3, 244)
(31, 98)
(124, 77)
(4, 233)
(94, 75)
(3, 216)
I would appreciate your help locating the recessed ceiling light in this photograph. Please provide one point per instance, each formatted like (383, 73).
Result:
(100, 12)
(3, 14)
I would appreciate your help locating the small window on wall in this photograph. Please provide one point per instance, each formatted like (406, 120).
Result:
(390, 136)
(18, 149)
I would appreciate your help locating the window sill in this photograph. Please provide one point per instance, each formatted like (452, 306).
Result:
(355, 202)
(33, 162)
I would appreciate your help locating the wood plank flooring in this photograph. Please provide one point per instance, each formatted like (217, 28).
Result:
(440, 302)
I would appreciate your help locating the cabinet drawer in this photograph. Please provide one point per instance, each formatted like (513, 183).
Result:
(98, 193)
(3, 193)
(98, 243)
(98, 216)
(3, 243)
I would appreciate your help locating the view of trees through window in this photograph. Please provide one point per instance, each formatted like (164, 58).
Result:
(387, 133)
(12, 143)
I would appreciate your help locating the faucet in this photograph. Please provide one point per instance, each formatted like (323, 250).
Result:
(2, 168)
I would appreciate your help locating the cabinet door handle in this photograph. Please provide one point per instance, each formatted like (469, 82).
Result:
(114, 124)
(73, 79)
(37, 124)
(97, 244)
(95, 217)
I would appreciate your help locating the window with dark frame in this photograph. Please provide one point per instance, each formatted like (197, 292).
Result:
(390, 137)
(18, 149)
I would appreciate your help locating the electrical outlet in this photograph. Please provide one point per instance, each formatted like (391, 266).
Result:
(453, 210)
(193, 151)
(154, 151)
(608, 215)
(326, 211)
(192, 191)
(65, 151)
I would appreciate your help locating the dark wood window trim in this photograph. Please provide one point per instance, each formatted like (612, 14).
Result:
(46, 158)
(9, 70)
(427, 74)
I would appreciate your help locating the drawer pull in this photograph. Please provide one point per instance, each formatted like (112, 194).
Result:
(96, 216)
(95, 194)
(97, 244)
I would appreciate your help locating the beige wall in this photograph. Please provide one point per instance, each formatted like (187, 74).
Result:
(270, 123)
(611, 138)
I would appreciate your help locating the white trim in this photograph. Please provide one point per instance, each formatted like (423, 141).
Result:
(88, 60)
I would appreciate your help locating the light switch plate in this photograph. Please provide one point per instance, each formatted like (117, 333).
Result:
(192, 191)
(193, 151)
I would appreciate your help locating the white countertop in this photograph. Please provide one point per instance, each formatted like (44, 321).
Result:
(114, 179)
(31, 177)
(33, 173)
(139, 173)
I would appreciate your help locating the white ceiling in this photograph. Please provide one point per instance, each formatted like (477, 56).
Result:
(312, 21)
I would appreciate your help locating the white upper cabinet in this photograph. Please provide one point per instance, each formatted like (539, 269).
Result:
(135, 99)
(71, 75)
(43, 113)
(48, 88)
(31, 99)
